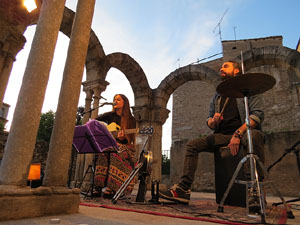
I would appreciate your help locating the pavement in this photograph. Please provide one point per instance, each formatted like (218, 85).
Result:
(96, 215)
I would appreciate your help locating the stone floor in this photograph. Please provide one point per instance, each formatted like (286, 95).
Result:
(96, 215)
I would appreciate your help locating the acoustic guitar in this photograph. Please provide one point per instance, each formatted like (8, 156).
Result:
(115, 128)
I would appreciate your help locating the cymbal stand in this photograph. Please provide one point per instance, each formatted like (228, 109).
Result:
(254, 183)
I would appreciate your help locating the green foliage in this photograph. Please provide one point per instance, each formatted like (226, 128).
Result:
(165, 165)
(46, 126)
(47, 122)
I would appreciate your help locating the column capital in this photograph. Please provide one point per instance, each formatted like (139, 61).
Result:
(98, 84)
(150, 114)
(160, 115)
(142, 113)
(12, 40)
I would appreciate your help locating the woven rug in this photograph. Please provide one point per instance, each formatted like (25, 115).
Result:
(202, 210)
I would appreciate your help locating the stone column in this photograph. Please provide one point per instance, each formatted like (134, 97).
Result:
(156, 117)
(56, 173)
(21, 140)
(96, 98)
(160, 116)
(97, 89)
(87, 107)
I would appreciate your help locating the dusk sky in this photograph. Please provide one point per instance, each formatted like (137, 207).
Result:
(163, 35)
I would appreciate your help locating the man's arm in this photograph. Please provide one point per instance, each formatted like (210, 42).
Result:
(211, 122)
(255, 118)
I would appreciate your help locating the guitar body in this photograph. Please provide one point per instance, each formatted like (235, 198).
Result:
(115, 128)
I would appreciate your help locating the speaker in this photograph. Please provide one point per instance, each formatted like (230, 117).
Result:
(225, 166)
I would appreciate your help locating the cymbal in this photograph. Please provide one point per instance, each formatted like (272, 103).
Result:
(246, 85)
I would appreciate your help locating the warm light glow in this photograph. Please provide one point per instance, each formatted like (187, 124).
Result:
(30, 5)
(34, 171)
(149, 157)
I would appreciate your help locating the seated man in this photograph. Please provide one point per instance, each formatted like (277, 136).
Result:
(226, 117)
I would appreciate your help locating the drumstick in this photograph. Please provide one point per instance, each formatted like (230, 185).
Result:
(225, 103)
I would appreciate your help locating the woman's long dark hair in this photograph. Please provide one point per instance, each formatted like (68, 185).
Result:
(127, 120)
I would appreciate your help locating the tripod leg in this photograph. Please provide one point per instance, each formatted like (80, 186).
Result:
(88, 170)
(126, 183)
(221, 205)
(253, 160)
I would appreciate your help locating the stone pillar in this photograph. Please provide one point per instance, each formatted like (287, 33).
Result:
(155, 117)
(21, 140)
(96, 98)
(11, 42)
(87, 107)
(56, 173)
(160, 116)
(97, 88)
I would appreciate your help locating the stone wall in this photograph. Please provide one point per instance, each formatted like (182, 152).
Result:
(40, 156)
(285, 173)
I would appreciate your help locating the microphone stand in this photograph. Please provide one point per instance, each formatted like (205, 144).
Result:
(102, 104)
(291, 149)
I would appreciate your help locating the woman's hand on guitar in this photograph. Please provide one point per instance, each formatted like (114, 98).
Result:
(121, 135)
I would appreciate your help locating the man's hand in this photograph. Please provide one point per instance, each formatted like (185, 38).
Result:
(234, 145)
(218, 117)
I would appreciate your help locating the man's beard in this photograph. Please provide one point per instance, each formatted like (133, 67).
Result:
(225, 77)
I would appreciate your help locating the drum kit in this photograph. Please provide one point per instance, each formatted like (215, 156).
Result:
(245, 86)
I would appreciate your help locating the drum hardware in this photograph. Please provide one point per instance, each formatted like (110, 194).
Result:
(244, 86)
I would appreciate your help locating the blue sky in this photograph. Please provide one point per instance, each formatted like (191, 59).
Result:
(162, 35)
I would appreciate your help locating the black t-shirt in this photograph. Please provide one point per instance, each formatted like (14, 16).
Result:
(231, 117)
(109, 117)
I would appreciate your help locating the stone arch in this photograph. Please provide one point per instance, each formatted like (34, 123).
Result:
(95, 50)
(284, 98)
(133, 72)
(278, 56)
(181, 76)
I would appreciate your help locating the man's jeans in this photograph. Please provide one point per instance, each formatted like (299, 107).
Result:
(212, 143)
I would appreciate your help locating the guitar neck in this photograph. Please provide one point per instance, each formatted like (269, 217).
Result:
(127, 131)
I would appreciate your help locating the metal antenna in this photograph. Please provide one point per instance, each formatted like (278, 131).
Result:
(219, 25)
(234, 32)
